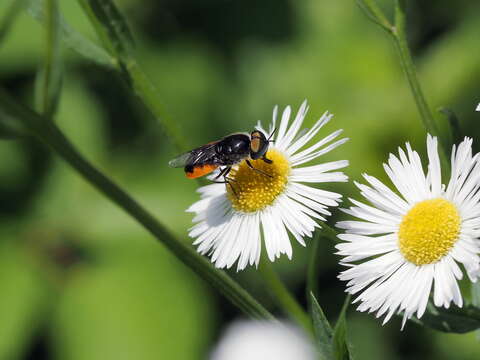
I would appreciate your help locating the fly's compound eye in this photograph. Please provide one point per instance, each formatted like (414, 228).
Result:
(258, 145)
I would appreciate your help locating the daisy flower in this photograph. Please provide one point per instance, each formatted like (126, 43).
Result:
(230, 224)
(260, 340)
(404, 245)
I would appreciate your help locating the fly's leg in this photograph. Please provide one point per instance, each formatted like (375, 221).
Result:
(226, 180)
(268, 161)
(258, 170)
(223, 172)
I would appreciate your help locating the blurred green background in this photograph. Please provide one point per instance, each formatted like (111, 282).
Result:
(81, 280)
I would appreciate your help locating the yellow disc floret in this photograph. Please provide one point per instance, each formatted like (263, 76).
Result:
(254, 190)
(428, 231)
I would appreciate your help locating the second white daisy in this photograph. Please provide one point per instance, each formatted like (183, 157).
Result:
(405, 245)
(232, 223)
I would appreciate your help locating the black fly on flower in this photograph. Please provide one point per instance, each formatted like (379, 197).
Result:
(262, 195)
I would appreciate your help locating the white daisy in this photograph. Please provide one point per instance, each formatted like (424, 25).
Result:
(262, 340)
(407, 244)
(231, 224)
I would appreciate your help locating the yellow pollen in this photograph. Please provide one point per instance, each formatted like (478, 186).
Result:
(428, 231)
(253, 191)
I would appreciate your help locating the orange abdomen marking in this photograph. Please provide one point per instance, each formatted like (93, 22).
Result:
(199, 170)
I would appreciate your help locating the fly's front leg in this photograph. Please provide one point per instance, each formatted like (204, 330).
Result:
(258, 170)
(268, 161)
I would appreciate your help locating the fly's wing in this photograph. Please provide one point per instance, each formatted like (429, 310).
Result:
(200, 156)
(180, 160)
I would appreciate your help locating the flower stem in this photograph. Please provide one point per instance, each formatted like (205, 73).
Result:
(51, 135)
(282, 296)
(115, 35)
(409, 68)
(313, 268)
(400, 36)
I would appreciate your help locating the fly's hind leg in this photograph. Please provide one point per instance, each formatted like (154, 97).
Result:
(223, 172)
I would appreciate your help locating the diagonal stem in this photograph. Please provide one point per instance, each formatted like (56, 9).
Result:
(51, 135)
(282, 296)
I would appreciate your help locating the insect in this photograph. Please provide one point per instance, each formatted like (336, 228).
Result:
(225, 153)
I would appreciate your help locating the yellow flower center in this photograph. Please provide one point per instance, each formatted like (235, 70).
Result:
(428, 231)
(254, 190)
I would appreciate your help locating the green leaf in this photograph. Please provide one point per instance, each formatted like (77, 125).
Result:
(475, 291)
(452, 320)
(49, 78)
(8, 19)
(72, 38)
(339, 342)
(9, 127)
(134, 303)
(322, 329)
(110, 26)
(25, 299)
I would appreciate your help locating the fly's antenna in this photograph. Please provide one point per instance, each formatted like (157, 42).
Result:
(271, 135)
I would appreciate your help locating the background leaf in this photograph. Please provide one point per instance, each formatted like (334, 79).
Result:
(73, 39)
(452, 320)
(323, 330)
(340, 344)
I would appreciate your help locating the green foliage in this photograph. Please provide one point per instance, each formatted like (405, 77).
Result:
(339, 341)
(452, 320)
(331, 344)
(24, 303)
(73, 39)
(110, 26)
(323, 330)
(122, 292)
(49, 77)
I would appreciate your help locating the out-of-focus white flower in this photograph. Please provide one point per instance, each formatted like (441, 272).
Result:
(406, 245)
(262, 340)
(232, 222)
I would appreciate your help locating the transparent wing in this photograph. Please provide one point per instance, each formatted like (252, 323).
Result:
(180, 160)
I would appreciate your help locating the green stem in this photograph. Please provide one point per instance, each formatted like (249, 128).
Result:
(372, 11)
(409, 68)
(282, 296)
(49, 77)
(148, 94)
(113, 31)
(313, 268)
(50, 134)
(9, 18)
(400, 36)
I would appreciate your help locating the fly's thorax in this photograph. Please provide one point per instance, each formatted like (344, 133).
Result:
(233, 149)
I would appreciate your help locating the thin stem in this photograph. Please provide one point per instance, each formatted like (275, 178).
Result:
(113, 31)
(375, 14)
(283, 297)
(400, 36)
(409, 68)
(313, 268)
(51, 135)
(9, 18)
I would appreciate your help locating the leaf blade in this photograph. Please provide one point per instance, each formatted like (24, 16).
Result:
(340, 345)
(322, 330)
(452, 320)
(73, 39)
(49, 77)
